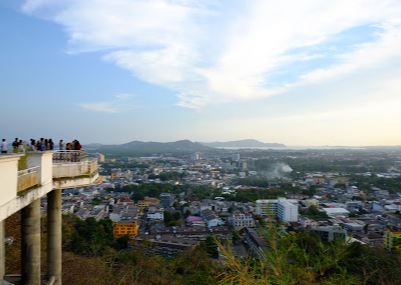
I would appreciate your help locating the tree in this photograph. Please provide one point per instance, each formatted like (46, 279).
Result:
(210, 246)
(314, 213)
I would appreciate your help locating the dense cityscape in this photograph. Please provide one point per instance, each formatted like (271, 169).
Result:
(228, 202)
(175, 202)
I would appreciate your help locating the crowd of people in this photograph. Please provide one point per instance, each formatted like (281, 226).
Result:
(41, 144)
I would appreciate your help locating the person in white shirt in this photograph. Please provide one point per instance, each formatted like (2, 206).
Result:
(4, 146)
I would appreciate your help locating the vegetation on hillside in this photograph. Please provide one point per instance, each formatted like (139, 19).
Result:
(295, 258)
(92, 256)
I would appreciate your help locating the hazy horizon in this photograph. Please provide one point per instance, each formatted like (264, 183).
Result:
(230, 140)
(299, 73)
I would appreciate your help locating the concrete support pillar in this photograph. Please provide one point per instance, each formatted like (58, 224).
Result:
(2, 251)
(54, 226)
(30, 244)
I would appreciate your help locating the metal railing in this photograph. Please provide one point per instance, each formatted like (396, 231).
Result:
(61, 156)
(28, 178)
(74, 169)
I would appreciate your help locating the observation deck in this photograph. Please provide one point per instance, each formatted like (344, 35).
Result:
(24, 179)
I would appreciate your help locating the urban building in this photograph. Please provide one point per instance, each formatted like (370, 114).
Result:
(146, 202)
(236, 157)
(125, 228)
(167, 200)
(155, 213)
(241, 220)
(329, 233)
(333, 212)
(287, 210)
(266, 207)
(196, 156)
(284, 209)
(211, 219)
(167, 246)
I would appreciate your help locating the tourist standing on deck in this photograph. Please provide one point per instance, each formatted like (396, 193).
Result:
(4, 146)
(51, 144)
(15, 145)
(61, 145)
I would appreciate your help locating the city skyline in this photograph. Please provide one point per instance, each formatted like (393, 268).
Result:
(302, 73)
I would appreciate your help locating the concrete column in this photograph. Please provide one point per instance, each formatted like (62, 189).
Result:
(2, 251)
(54, 225)
(30, 244)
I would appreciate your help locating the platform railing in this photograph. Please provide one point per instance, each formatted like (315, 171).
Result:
(28, 178)
(61, 156)
(74, 169)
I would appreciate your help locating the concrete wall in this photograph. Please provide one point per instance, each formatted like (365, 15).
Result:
(67, 183)
(8, 177)
(21, 201)
(64, 170)
(45, 161)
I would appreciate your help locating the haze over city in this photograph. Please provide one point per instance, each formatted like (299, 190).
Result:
(291, 72)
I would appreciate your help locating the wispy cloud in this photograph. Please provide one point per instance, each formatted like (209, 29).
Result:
(118, 103)
(220, 51)
(103, 107)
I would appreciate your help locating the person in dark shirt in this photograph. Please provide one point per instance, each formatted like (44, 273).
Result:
(15, 145)
(51, 144)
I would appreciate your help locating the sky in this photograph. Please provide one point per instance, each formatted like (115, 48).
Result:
(306, 72)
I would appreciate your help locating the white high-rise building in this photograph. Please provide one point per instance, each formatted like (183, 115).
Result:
(287, 210)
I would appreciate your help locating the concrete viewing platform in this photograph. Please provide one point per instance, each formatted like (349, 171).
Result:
(43, 173)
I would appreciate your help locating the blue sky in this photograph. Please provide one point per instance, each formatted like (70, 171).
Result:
(299, 73)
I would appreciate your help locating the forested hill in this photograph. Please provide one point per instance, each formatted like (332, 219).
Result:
(140, 147)
(247, 143)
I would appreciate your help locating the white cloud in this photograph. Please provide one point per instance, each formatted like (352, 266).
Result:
(104, 107)
(210, 52)
(124, 96)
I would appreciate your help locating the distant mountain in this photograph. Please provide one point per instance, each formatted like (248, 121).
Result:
(182, 146)
(248, 143)
(93, 145)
